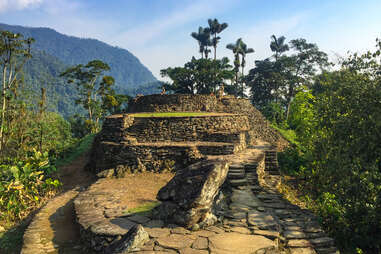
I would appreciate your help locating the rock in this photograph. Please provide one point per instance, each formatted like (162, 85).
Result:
(193, 251)
(261, 220)
(188, 198)
(175, 241)
(270, 250)
(106, 173)
(241, 230)
(292, 234)
(245, 198)
(204, 233)
(131, 241)
(302, 251)
(158, 232)
(322, 242)
(329, 250)
(215, 229)
(200, 243)
(267, 233)
(238, 243)
(180, 231)
(299, 243)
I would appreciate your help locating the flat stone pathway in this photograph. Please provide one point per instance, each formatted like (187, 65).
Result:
(257, 220)
(52, 229)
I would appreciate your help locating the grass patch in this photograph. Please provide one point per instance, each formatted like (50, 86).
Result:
(77, 150)
(143, 209)
(175, 114)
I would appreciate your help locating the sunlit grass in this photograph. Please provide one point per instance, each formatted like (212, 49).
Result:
(82, 146)
(143, 209)
(175, 114)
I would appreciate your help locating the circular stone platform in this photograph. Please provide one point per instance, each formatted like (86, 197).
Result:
(103, 214)
(258, 219)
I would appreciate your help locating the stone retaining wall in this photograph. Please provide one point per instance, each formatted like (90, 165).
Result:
(259, 126)
(196, 128)
(117, 158)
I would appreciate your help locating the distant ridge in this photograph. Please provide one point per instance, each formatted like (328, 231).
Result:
(53, 52)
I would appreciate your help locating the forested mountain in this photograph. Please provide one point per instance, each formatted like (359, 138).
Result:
(53, 52)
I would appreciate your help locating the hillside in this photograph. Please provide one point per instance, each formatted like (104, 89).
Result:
(53, 52)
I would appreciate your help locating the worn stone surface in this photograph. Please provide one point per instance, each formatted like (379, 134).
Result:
(238, 243)
(200, 243)
(175, 241)
(299, 243)
(302, 251)
(188, 198)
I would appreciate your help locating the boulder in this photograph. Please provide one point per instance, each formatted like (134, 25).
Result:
(135, 238)
(188, 198)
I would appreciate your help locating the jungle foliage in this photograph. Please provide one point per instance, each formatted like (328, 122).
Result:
(337, 121)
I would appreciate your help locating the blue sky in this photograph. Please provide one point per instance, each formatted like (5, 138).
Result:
(158, 31)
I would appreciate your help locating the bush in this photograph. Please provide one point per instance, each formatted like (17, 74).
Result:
(23, 184)
(292, 161)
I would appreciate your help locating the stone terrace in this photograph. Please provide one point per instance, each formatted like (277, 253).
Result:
(128, 143)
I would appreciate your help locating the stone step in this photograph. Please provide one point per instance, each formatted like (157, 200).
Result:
(236, 175)
(238, 182)
(235, 166)
(236, 171)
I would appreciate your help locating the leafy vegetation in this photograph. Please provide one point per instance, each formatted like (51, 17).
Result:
(97, 98)
(337, 121)
(23, 184)
(202, 76)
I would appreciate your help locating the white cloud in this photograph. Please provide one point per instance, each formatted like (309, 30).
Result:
(6, 5)
(145, 33)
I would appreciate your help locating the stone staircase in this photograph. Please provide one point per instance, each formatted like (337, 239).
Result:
(256, 204)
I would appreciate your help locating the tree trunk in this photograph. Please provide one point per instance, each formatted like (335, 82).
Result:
(215, 46)
(4, 102)
(289, 99)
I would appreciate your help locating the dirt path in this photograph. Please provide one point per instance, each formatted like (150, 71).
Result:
(53, 229)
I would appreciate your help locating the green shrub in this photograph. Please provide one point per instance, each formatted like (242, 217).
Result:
(24, 183)
(292, 161)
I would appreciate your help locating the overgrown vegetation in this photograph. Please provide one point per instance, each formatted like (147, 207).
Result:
(337, 120)
(32, 139)
(332, 118)
(23, 184)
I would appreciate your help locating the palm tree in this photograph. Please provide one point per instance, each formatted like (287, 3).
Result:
(278, 46)
(203, 39)
(236, 48)
(243, 51)
(216, 28)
